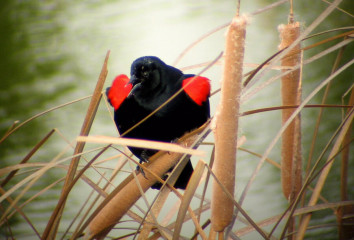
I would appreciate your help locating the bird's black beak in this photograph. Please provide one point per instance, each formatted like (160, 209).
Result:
(136, 82)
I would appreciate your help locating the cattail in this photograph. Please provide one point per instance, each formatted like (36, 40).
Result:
(291, 95)
(226, 125)
(116, 208)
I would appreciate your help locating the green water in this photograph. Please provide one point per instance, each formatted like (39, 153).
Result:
(51, 53)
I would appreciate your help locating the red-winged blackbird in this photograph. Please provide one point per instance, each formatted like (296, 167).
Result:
(151, 84)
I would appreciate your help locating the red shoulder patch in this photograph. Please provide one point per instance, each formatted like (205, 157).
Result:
(197, 88)
(119, 91)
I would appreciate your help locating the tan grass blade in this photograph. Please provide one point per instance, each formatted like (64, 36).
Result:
(11, 128)
(19, 210)
(345, 230)
(53, 223)
(122, 200)
(226, 124)
(305, 33)
(312, 175)
(27, 157)
(14, 128)
(325, 171)
(28, 182)
(162, 146)
(34, 196)
(276, 138)
(78, 176)
(267, 109)
(195, 43)
(318, 120)
(203, 131)
(204, 208)
(29, 178)
(187, 198)
(246, 95)
(272, 162)
(155, 210)
(81, 224)
(238, 206)
(203, 197)
(76, 217)
(271, 220)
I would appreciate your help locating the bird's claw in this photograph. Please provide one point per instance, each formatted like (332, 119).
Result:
(143, 159)
(141, 170)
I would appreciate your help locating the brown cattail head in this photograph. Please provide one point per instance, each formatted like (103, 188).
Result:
(226, 125)
(291, 95)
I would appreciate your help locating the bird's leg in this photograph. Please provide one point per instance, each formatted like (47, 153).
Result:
(144, 158)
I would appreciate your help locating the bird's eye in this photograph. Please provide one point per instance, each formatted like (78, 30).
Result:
(145, 73)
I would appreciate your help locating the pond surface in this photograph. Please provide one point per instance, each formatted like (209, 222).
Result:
(52, 53)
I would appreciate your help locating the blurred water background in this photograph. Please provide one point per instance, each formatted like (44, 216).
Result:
(51, 53)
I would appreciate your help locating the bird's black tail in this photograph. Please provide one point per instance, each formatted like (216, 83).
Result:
(186, 174)
(182, 180)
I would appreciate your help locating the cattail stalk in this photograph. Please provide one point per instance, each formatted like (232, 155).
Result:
(117, 207)
(291, 95)
(226, 125)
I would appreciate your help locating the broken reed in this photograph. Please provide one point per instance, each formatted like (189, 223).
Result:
(52, 227)
(226, 125)
(291, 95)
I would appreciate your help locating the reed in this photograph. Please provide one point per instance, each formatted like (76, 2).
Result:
(119, 203)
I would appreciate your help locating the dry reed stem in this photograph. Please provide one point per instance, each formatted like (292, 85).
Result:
(27, 182)
(346, 223)
(112, 212)
(81, 210)
(139, 143)
(203, 131)
(305, 33)
(155, 211)
(205, 36)
(206, 184)
(22, 205)
(238, 206)
(318, 120)
(19, 210)
(298, 212)
(27, 157)
(187, 198)
(226, 124)
(53, 223)
(322, 178)
(192, 217)
(291, 95)
(15, 126)
(276, 138)
(249, 94)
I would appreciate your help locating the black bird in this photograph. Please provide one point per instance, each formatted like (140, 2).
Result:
(151, 84)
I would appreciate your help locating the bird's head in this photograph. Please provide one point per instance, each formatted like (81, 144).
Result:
(146, 75)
